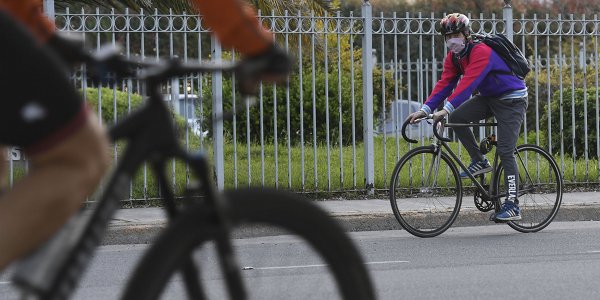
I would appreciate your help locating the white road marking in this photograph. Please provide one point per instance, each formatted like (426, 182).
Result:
(320, 266)
(285, 267)
(387, 262)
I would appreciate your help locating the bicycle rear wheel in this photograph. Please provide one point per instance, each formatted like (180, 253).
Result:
(540, 188)
(425, 192)
(347, 276)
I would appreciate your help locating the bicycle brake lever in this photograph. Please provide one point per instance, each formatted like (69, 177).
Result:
(107, 65)
(435, 131)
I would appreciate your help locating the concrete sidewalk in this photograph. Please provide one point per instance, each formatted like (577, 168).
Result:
(141, 225)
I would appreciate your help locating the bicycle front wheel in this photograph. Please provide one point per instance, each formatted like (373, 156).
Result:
(540, 188)
(425, 191)
(273, 267)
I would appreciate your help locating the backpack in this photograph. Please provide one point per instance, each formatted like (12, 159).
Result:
(510, 54)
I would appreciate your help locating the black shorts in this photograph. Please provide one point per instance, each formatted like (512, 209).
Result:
(40, 107)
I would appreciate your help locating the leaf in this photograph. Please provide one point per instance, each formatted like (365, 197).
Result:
(179, 6)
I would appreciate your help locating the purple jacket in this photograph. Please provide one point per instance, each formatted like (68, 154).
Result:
(479, 74)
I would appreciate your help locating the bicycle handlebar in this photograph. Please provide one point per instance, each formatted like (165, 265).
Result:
(404, 133)
(435, 126)
(435, 131)
(108, 59)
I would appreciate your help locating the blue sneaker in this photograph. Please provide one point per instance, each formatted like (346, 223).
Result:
(477, 168)
(509, 212)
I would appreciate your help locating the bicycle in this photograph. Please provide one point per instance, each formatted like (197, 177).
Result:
(53, 270)
(426, 204)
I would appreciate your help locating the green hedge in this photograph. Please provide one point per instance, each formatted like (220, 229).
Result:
(565, 132)
(321, 109)
(123, 101)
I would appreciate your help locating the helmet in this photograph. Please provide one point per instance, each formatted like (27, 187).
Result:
(454, 23)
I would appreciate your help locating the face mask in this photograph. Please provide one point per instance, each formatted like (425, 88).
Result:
(455, 44)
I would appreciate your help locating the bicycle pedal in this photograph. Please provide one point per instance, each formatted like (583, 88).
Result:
(493, 219)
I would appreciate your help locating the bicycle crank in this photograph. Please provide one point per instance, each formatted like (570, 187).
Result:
(481, 203)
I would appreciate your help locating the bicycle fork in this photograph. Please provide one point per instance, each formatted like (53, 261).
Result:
(432, 172)
(218, 218)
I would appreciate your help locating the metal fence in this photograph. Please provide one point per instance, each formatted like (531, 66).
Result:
(315, 133)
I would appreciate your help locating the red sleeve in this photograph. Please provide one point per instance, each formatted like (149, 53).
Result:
(444, 86)
(31, 14)
(477, 69)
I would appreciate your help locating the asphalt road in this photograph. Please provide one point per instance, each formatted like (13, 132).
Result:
(561, 262)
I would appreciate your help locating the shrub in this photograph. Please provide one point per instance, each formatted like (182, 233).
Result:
(124, 102)
(108, 102)
(549, 82)
(565, 132)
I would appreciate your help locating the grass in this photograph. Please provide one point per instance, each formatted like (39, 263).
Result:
(311, 169)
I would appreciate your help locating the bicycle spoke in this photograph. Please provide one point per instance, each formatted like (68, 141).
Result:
(540, 199)
(524, 165)
(430, 208)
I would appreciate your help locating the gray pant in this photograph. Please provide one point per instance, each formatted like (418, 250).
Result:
(509, 114)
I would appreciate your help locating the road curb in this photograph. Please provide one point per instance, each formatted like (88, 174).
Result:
(375, 222)
(146, 233)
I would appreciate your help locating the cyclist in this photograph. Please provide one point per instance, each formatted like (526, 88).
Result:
(43, 113)
(499, 94)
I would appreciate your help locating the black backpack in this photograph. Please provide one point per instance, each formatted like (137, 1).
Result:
(511, 54)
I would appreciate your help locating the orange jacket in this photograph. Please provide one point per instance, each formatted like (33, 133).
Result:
(235, 24)
(233, 21)
(30, 13)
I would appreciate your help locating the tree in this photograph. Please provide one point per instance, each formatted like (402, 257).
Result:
(319, 6)
(574, 6)
(267, 7)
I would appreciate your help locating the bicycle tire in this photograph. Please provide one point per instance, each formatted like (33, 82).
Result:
(404, 195)
(535, 215)
(281, 209)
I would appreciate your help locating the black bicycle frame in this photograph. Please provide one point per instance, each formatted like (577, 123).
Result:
(53, 270)
(443, 141)
(487, 194)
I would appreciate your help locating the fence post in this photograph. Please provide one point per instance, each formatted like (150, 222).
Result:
(217, 110)
(175, 95)
(582, 62)
(367, 69)
(49, 9)
(507, 15)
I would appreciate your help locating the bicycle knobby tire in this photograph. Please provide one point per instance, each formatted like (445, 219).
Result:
(270, 207)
